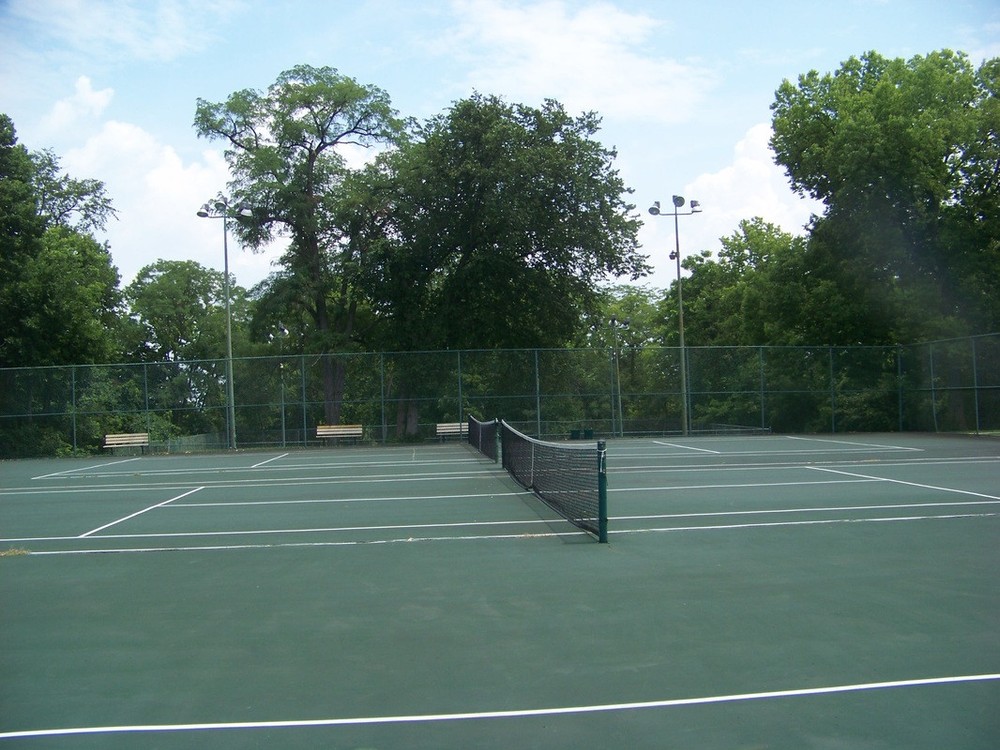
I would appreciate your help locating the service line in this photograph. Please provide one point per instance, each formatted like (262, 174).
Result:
(140, 512)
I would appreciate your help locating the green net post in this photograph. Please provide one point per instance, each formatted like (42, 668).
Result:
(498, 438)
(602, 492)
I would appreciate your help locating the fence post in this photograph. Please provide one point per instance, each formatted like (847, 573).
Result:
(833, 394)
(73, 402)
(461, 416)
(763, 400)
(381, 386)
(305, 425)
(930, 354)
(899, 385)
(538, 397)
(975, 382)
(145, 396)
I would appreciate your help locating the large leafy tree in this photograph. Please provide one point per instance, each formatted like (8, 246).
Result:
(178, 320)
(282, 148)
(503, 221)
(906, 156)
(178, 310)
(498, 222)
(59, 294)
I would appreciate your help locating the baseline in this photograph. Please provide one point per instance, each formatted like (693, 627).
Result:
(511, 714)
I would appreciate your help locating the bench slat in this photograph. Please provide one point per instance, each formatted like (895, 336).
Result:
(126, 439)
(339, 430)
(451, 428)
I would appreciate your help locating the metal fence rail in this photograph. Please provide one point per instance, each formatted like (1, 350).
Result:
(940, 386)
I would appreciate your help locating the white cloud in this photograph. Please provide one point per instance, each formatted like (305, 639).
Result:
(594, 58)
(129, 29)
(752, 185)
(86, 103)
(157, 196)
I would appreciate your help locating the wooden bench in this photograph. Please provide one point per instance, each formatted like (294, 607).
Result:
(127, 440)
(335, 431)
(452, 429)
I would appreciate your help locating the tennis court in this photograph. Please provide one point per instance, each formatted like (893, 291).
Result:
(756, 592)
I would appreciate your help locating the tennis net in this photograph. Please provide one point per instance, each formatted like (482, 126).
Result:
(570, 479)
(483, 436)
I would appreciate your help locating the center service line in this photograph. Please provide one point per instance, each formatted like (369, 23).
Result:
(515, 714)
(140, 512)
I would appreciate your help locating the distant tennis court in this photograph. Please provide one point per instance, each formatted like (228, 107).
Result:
(756, 592)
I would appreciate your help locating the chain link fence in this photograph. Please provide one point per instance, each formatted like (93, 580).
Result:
(943, 386)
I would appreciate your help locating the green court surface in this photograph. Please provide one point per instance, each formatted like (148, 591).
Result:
(819, 592)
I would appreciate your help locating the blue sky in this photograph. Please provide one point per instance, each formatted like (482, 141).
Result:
(684, 89)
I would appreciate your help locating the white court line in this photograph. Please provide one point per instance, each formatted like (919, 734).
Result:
(773, 511)
(329, 530)
(686, 447)
(522, 522)
(827, 522)
(908, 484)
(465, 538)
(260, 482)
(140, 512)
(281, 545)
(855, 443)
(84, 468)
(513, 714)
(731, 486)
(255, 466)
(388, 498)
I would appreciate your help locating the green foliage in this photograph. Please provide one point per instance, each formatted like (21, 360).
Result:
(504, 219)
(59, 293)
(282, 151)
(178, 308)
(905, 155)
(64, 201)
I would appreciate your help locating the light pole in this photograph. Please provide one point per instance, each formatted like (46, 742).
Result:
(219, 208)
(678, 202)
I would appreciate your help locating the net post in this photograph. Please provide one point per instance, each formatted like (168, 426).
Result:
(602, 492)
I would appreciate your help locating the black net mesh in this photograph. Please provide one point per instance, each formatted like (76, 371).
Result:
(483, 437)
(564, 477)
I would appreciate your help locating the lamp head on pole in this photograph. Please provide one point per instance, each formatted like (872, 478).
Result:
(219, 208)
(655, 208)
(678, 200)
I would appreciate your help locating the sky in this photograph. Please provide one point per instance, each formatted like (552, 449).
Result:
(684, 91)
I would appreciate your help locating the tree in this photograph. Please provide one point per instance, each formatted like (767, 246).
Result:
(82, 205)
(906, 156)
(282, 150)
(69, 300)
(499, 221)
(505, 220)
(178, 318)
(59, 292)
(179, 308)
